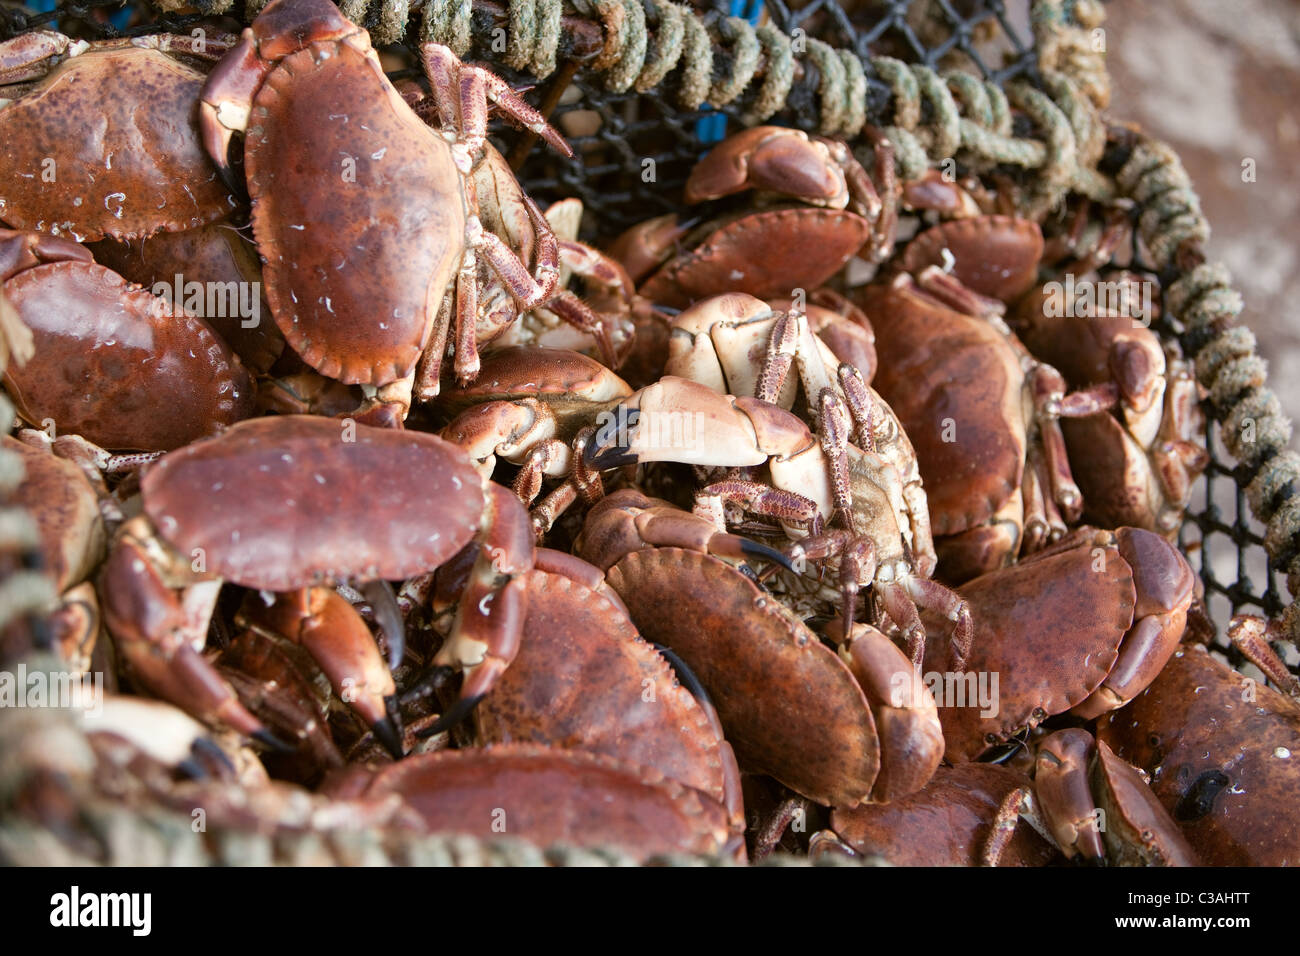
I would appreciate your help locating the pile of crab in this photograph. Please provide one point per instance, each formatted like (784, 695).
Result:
(763, 527)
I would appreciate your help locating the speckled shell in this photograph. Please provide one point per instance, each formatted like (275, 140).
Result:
(1050, 628)
(766, 254)
(549, 796)
(1225, 766)
(947, 823)
(65, 507)
(120, 126)
(788, 705)
(585, 679)
(358, 211)
(213, 253)
(996, 256)
(283, 502)
(117, 366)
(940, 368)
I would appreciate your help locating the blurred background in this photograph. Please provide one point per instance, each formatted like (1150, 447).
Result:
(1220, 80)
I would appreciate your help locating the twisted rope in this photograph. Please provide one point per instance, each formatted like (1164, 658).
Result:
(120, 821)
(931, 118)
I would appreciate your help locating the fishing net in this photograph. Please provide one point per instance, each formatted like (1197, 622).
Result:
(1016, 90)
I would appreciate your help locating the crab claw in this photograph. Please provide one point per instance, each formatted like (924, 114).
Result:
(676, 419)
(628, 521)
(333, 633)
(489, 620)
(226, 102)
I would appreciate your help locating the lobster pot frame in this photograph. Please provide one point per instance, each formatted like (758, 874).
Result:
(1014, 92)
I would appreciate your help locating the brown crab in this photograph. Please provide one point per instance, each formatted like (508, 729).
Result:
(356, 274)
(585, 679)
(1083, 799)
(1136, 464)
(550, 796)
(807, 481)
(220, 281)
(244, 508)
(839, 729)
(817, 209)
(983, 414)
(1221, 751)
(957, 819)
(113, 364)
(143, 170)
(1082, 625)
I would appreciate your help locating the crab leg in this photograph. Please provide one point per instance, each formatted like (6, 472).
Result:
(155, 631)
(470, 88)
(484, 637)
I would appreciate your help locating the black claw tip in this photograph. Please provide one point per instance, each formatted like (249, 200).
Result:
(610, 446)
(684, 674)
(386, 732)
(205, 748)
(752, 549)
(270, 740)
(458, 712)
(193, 769)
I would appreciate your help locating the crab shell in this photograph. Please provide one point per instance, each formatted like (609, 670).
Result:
(215, 255)
(585, 679)
(65, 507)
(767, 254)
(948, 375)
(400, 503)
(789, 705)
(946, 823)
(1223, 753)
(1052, 626)
(355, 272)
(549, 796)
(144, 168)
(996, 256)
(114, 363)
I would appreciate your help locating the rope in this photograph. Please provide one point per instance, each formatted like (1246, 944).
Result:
(121, 821)
(931, 118)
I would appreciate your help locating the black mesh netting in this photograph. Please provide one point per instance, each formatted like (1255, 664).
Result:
(614, 135)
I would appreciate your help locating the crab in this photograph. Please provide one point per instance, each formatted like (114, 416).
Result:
(360, 275)
(839, 728)
(217, 259)
(1221, 753)
(585, 679)
(954, 820)
(142, 171)
(983, 413)
(201, 526)
(809, 479)
(1083, 801)
(62, 490)
(1083, 626)
(551, 796)
(1136, 465)
(113, 364)
(817, 208)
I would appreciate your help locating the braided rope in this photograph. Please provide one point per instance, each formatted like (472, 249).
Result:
(966, 117)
